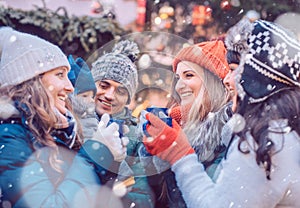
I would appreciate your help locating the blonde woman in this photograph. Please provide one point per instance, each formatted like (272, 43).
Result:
(262, 164)
(204, 106)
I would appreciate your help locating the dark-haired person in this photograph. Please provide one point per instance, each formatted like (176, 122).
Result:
(261, 168)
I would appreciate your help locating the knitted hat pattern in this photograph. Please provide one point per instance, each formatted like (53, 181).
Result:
(210, 55)
(270, 59)
(24, 56)
(119, 66)
(80, 76)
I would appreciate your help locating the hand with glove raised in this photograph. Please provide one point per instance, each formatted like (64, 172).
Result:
(168, 143)
(109, 136)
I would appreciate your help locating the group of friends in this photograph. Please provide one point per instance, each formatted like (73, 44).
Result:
(233, 139)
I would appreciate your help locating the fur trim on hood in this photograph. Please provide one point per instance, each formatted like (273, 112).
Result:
(7, 108)
(206, 136)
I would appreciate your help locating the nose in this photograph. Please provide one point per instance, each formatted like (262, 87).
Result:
(180, 84)
(109, 93)
(68, 86)
(226, 80)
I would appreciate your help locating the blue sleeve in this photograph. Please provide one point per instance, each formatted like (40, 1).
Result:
(98, 154)
(27, 180)
(141, 193)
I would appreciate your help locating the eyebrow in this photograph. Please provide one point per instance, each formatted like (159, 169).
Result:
(105, 82)
(188, 71)
(122, 87)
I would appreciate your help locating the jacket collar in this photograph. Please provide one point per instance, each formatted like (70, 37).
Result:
(8, 109)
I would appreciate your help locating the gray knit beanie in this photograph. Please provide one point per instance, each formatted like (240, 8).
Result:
(119, 66)
(24, 56)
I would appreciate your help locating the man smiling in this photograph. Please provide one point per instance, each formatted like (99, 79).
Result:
(116, 79)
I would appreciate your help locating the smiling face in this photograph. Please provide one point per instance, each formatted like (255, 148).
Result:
(111, 97)
(88, 96)
(190, 81)
(229, 82)
(58, 85)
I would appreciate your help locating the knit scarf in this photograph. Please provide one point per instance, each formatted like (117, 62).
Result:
(65, 129)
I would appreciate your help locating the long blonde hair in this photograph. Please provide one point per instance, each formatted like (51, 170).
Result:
(211, 98)
(207, 116)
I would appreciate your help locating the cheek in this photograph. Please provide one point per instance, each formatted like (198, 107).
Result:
(49, 88)
(121, 99)
(232, 81)
(181, 83)
(98, 88)
(196, 85)
(176, 87)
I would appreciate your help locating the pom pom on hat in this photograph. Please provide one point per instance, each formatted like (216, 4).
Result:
(210, 55)
(24, 56)
(270, 58)
(119, 66)
(236, 38)
(81, 77)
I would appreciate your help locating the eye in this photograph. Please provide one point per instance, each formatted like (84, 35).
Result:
(189, 75)
(60, 74)
(103, 85)
(121, 91)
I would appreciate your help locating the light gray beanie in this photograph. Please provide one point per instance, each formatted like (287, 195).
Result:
(119, 66)
(24, 56)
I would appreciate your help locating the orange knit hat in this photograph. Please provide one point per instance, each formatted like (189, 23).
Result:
(210, 55)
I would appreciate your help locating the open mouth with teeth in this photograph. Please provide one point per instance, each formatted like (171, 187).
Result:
(63, 98)
(105, 103)
(186, 94)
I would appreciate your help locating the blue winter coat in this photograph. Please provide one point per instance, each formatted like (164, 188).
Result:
(28, 180)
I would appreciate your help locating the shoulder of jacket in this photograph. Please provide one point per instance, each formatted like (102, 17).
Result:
(7, 108)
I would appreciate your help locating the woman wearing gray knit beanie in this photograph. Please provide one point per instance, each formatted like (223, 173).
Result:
(43, 162)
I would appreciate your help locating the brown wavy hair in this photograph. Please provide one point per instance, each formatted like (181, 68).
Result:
(34, 104)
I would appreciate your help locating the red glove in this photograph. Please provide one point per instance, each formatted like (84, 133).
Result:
(169, 143)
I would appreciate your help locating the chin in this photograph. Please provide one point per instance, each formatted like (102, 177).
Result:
(186, 102)
(102, 111)
(62, 109)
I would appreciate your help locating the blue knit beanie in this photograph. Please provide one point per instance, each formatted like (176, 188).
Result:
(81, 77)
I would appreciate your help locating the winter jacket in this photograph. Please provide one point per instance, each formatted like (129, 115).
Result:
(140, 193)
(28, 180)
(207, 137)
(242, 182)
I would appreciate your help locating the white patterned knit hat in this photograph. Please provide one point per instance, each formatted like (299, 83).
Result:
(270, 59)
(119, 66)
(24, 56)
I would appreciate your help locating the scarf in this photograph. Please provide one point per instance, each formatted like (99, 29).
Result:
(65, 129)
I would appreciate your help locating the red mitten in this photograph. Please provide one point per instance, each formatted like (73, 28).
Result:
(168, 143)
